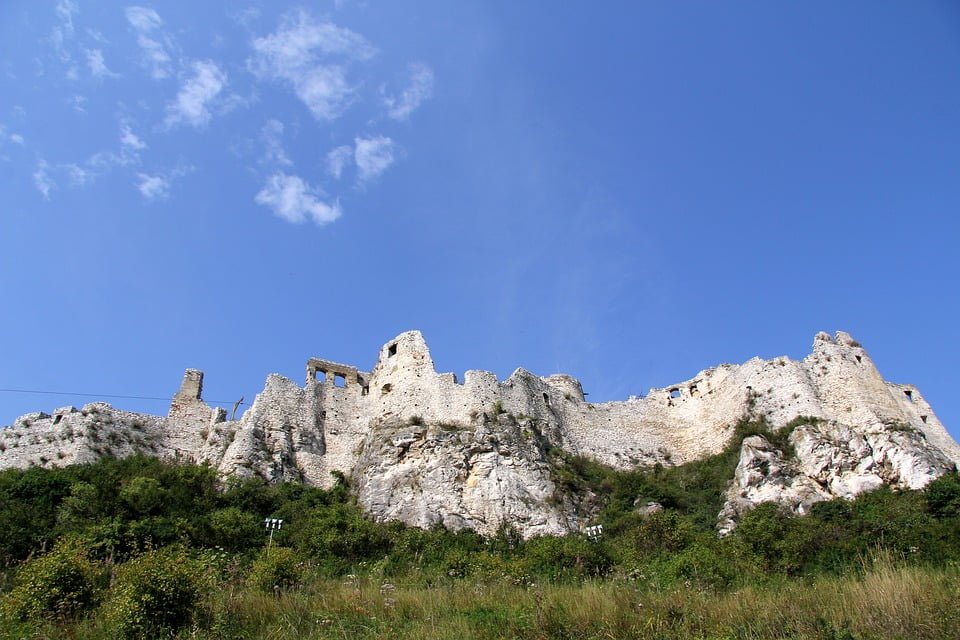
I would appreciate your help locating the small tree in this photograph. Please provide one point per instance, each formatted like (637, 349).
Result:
(235, 529)
(60, 584)
(275, 569)
(154, 594)
(943, 496)
(143, 495)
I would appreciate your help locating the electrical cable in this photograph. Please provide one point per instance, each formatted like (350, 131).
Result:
(103, 395)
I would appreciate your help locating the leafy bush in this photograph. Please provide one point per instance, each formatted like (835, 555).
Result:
(143, 495)
(701, 565)
(275, 569)
(154, 594)
(339, 536)
(235, 529)
(60, 584)
(943, 496)
(565, 558)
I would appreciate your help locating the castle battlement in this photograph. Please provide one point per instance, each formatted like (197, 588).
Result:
(403, 427)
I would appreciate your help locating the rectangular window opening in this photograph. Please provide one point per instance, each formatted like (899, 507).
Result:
(339, 380)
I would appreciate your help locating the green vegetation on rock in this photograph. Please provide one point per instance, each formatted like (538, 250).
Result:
(139, 548)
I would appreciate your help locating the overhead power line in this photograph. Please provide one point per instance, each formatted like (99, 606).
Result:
(105, 395)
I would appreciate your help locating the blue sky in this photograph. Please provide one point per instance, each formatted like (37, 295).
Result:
(627, 192)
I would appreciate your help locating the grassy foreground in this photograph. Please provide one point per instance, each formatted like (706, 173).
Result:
(140, 548)
(887, 599)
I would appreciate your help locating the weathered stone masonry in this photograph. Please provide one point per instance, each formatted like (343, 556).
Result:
(428, 448)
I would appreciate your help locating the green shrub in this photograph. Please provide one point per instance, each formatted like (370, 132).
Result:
(60, 584)
(701, 565)
(434, 553)
(235, 530)
(339, 536)
(154, 594)
(664, 531)
(779, 540)
(568, 557)
(276, 569)
(143, 495)
(943, 496)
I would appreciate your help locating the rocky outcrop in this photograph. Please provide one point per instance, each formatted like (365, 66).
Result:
(826, 460)
(427, 447)
(490, 472)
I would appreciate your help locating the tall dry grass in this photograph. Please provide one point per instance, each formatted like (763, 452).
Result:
(886, 599)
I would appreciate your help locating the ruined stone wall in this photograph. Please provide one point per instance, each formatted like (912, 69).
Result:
(78, 436)
(426, 447)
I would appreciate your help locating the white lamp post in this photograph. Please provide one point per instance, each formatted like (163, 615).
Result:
(272, 524)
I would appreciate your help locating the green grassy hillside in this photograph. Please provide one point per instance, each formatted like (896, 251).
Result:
(141, 548)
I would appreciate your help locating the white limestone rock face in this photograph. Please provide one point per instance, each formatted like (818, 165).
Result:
(80, 436)
(427, 447)
(491, 472)
(830, 461)
(764, 475)
(278, 438)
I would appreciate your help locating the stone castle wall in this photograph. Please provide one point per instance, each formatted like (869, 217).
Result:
(418, 419)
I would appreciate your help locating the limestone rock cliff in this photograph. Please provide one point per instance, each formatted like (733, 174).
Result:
(490, 472)
(427, 448)
(828, 460)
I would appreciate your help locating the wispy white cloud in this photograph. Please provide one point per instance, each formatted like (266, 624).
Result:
(338, 159)
(299, 52)
(274, 154)
(143, 19)
(373, 156)
(63, 31)
(96, 36)
(244, 17)
(105, 161)
(15, 138)
(46, 176)
(156, 187)
(77, 102)
(62, 35)
(42, 180)
(97, 65)
(419, 88)
(153, 43)
(192, 105)
(130, 140)
(78, 176)
(294, 200)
